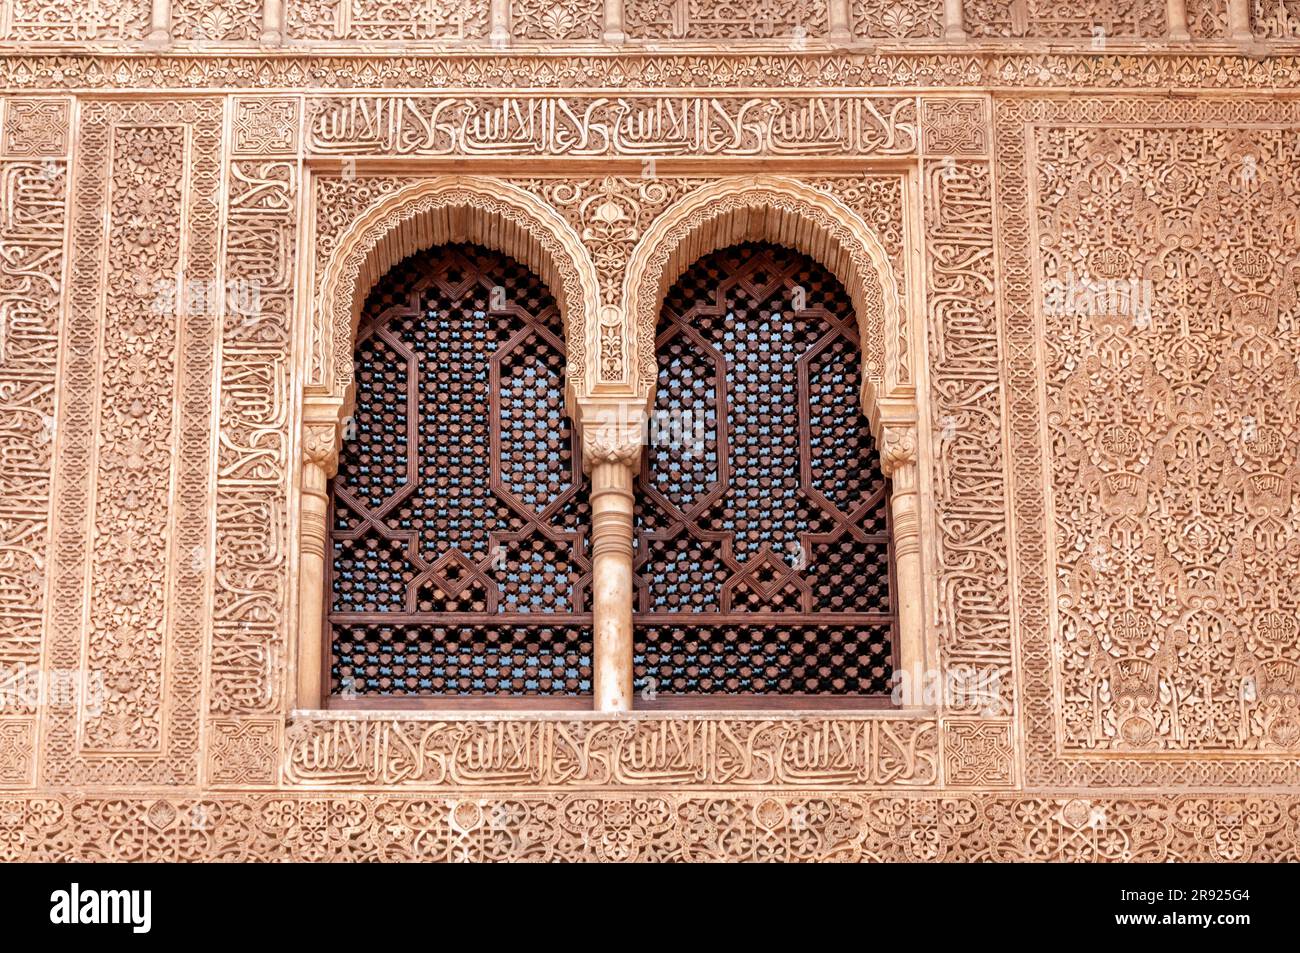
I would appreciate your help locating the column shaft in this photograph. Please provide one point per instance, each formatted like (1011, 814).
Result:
(499, 26)
(905, 514)
(1176, 14)
(840, 30)
(1239, 20)
(319, 463)
(160, 24)
(611, 553)
(272, 22)
(614, 31)
(954, 20)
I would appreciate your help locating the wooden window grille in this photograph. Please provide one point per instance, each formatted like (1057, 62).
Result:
(457, 553)
(763, 552)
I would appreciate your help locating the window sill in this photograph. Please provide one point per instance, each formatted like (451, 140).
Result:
(584, 714)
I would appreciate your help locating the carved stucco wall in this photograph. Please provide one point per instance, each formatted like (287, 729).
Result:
(1100, 282)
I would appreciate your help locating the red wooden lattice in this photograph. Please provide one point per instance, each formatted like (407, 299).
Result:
(458, 530)
(762, 526)
(458, 525)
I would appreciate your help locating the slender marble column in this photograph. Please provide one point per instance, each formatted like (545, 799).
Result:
(1239, 20)
(612, 455)
(320, 460)
(1176, 14)
(499, 15)
(272, 22)
(898, 461)
(160, 24)
(614, 31)
(954, 20)
(840, 31)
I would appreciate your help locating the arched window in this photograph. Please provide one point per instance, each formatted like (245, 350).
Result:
(458, 520)
(763, 552)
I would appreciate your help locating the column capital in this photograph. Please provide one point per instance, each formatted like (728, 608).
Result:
(898, 448)
(611, 444)
(322, 418)
(613, 431)
(320, 446)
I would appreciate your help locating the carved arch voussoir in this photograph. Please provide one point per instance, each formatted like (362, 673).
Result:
(788, 212)
(436, 211)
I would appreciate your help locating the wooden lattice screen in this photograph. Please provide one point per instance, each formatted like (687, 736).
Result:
(762, 527)
(458, 528)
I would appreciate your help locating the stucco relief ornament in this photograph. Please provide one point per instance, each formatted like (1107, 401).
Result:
(610, 345)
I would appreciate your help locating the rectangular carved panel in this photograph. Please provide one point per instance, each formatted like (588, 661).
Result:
(556, 19)
(973, 609)
(1097, 19)
(639, 126)
(252, 584)
(1275, 19)
(897, 19)
(1173, 403)
(134, 470)
(656, 826)
(33, 205)
(33, 223)
(708, 19)
(679, 752)
(1154, 613)
(215, 21)
(75, 21)
(386, 19)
